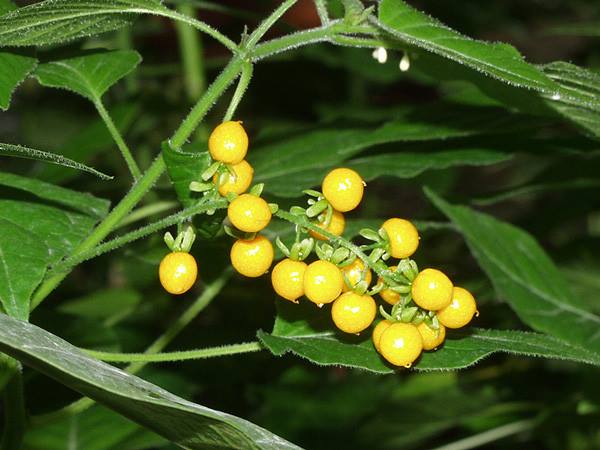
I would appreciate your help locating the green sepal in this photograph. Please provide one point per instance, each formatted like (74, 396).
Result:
(212, 169)
(312, 193)
(257, 189)
(317, 208)
(385, 314)
(196, 186)
(273, 207)
(369, 234)
(324, 251)
(408, 314)
(282, 247)
(297, 211)
(340, 255)
(169, 240)
(301, 250)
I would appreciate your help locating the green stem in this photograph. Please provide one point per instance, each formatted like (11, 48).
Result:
(210, 292)
(240, 90)
(113, 244)
(190, 46)
(114, 132)
(146, 211)
(186, 355)
(14, 413)
(266, 24)
(322, 11)
(492, 435)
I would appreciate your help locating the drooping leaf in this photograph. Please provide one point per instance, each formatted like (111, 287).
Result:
(30, 153)
(184, 423)
(302, 160)
(35, 234)
(90, 75)
(308, 332)
(14, 67)
(500, 61)
(524, 276)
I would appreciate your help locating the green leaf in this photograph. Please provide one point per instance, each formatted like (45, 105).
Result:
(90, 75)
(524, 276)
(500, 61)
(29, 153)
(308, 332)
(34, 235)
(186, 424)
(6, 6)
(14, 68)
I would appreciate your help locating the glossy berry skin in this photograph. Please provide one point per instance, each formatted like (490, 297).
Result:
(178, 272)
(388, 295)
(353, 313)
(354, 272)
(432, 290)
(322, 282)
(460, 311)
(228, 143)
(287, 278)
(237, 184)
(378, 331)
(400, 344)
(432, 339)
(403, 236)
(336, 226)
(249, 213)
(252, 257)
(343, 189)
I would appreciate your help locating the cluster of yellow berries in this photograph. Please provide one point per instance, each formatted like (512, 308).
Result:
(424, 303)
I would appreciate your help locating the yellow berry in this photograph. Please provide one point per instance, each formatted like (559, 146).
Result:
(353, 313)
(378, 331)
(388, 295)
(177, 272)
(322, 282)
(460, 311)
(432, 339)
(432, 290)
(228, 143)
(343, 189)
(249, 213)
(354, 273)
(404, 237)
(252, 257)
(238, 183)
(287, 278)
(400, 344)
(336, 226)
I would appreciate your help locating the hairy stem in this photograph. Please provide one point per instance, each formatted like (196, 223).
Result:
(114, 132)
(147, 211)
(186, 355)
(15, 419)
(240, 90)
(266, 24)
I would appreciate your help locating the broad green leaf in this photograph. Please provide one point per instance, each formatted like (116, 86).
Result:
(184, 167)
(186, 424)
(524, 276)
(308, 332)
(14, 68)
(303, 159)
(29, 153)
(90, 75)
(500, 61)
(92, 139)
(34, 235)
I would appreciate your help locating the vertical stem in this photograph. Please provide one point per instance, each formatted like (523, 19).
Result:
(131, 164)
(240, 90)
(321, 6)
(190, 46)
(14, 413)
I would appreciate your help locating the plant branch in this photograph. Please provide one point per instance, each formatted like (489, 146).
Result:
(185, 355)
(114, 132)
(146, 211)
(322, 11)
(240, 90)
(266, 24)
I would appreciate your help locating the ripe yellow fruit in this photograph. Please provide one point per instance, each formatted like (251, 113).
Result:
(388, 295)
(322, 282)
(378, 331)
(343, 189)
(178, 272)
(431, 338)
(432, 290)
(400, 344)
(238, 183)
(287, 278)
(354, 273)
(460, 311)
(249, 213)
(353, 313)
(336, 226)
(404, 237)
(252, 257)
(228, 143)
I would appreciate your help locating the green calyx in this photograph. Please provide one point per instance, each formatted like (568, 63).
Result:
(183, 242)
